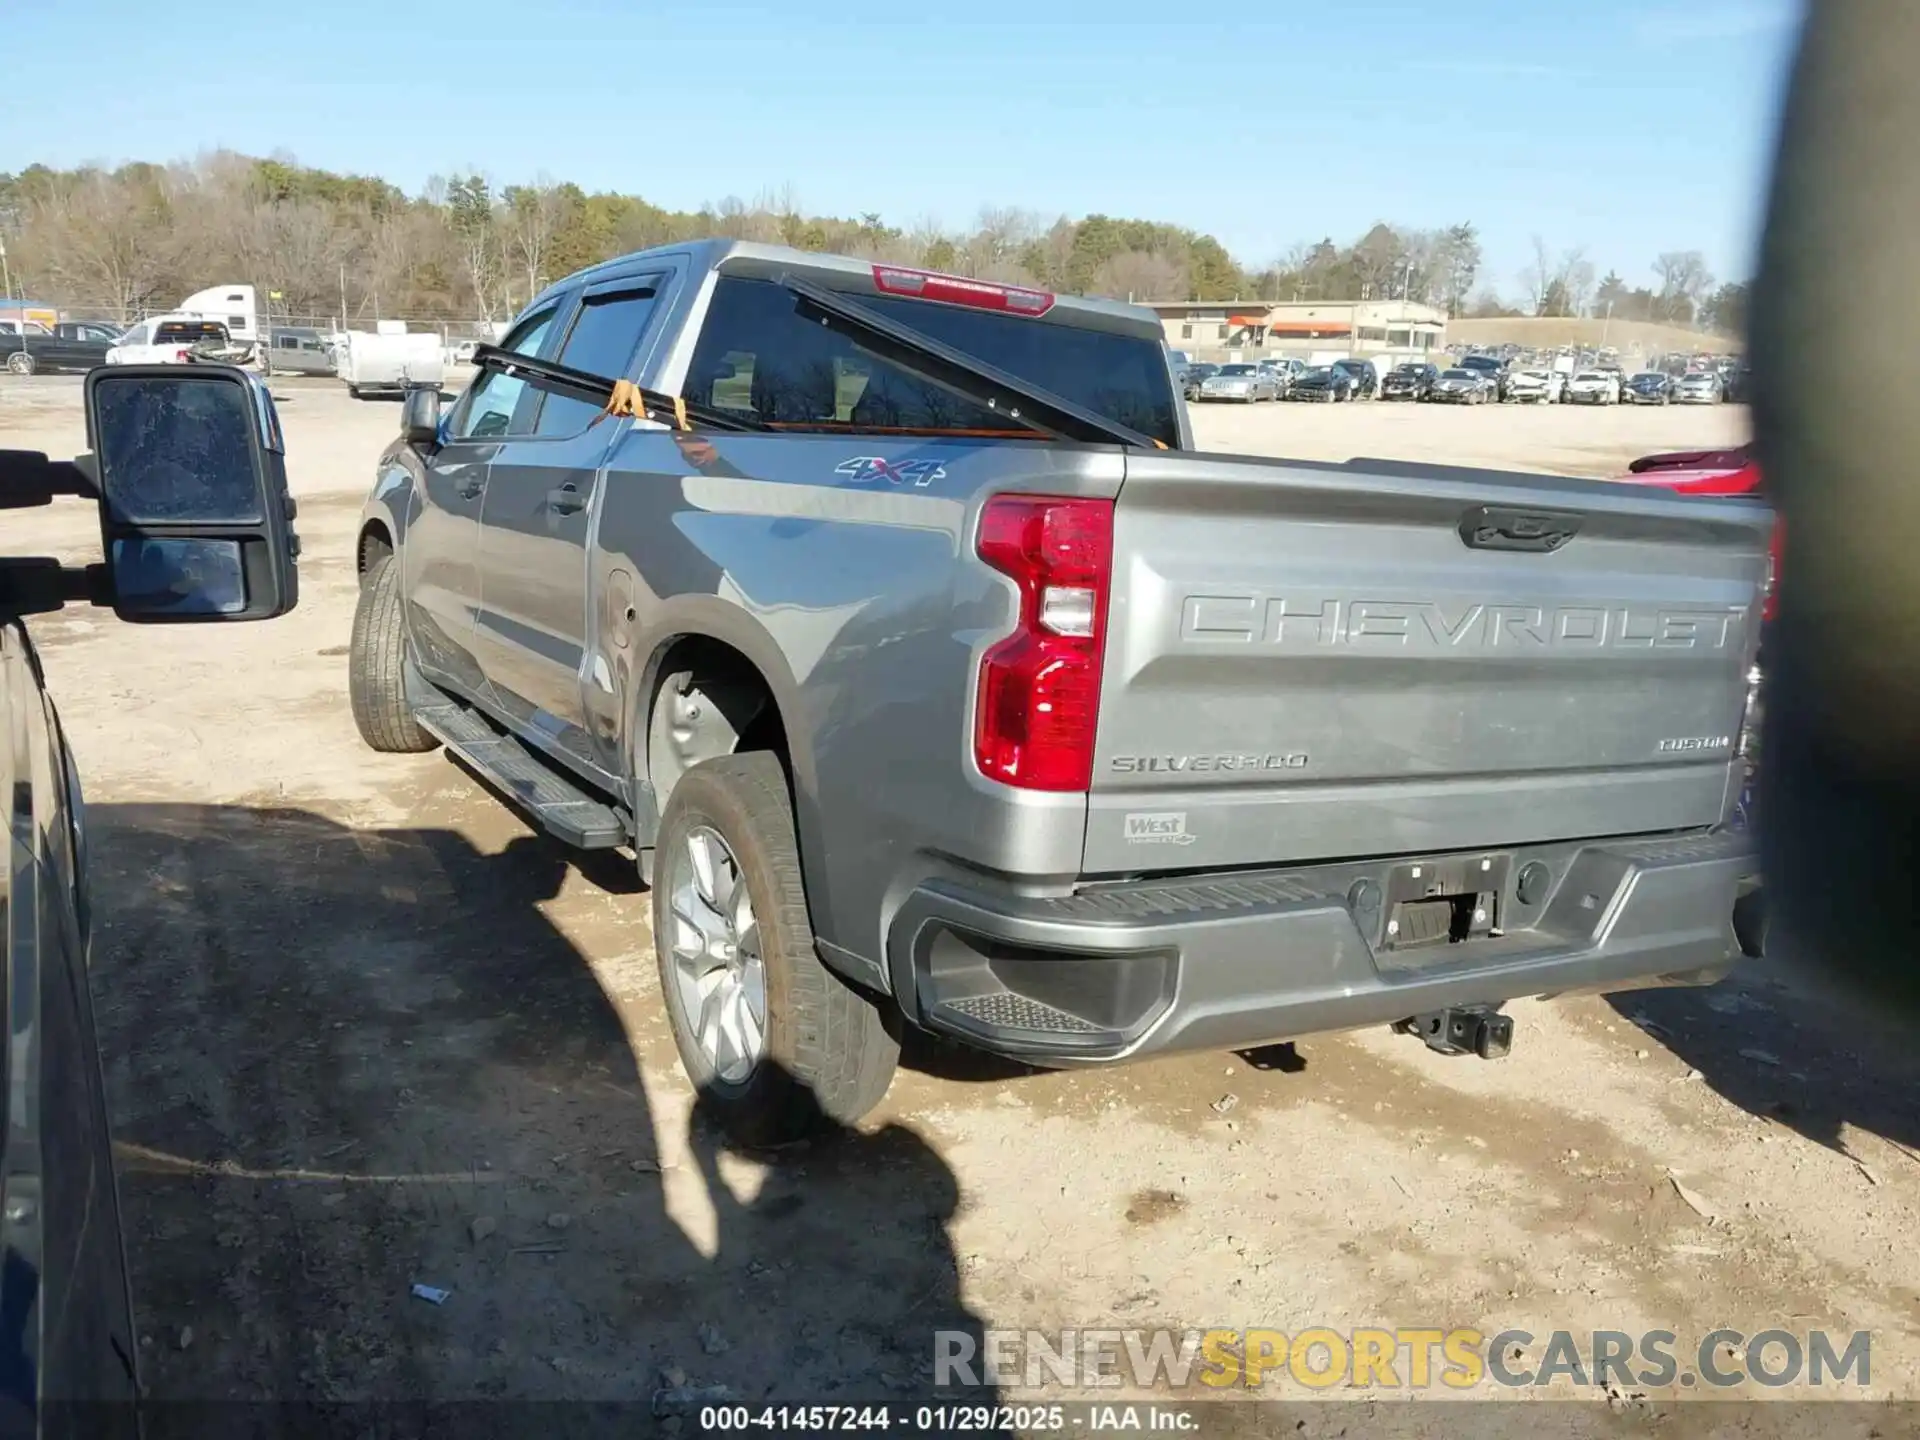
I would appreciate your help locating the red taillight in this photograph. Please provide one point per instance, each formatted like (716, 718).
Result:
(1039, 693)
(180, 356)
(958, 290)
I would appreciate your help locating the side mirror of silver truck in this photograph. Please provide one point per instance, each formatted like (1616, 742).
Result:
(195, 517)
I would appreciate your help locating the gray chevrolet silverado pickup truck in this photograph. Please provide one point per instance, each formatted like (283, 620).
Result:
(932, 676)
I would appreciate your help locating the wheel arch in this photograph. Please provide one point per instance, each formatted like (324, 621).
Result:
(741, 668)
(383, 518)
(376, 541)
(739, 664)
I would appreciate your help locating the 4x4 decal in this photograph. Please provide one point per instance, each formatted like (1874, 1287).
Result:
(917, 473)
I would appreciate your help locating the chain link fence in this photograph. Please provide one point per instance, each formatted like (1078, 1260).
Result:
(451, 331)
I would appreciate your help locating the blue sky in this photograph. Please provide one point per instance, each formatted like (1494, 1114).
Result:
(1626, 126)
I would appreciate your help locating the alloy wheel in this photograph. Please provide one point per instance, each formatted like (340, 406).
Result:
(718, 972)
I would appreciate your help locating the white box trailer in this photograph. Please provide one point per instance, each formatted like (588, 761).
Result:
(387, 364)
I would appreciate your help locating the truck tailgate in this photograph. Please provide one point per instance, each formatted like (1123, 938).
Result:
(1325, 661)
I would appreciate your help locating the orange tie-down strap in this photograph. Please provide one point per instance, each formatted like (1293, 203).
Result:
(630, 401)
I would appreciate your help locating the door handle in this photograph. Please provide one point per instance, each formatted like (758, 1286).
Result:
(566, 499)
(470, 489)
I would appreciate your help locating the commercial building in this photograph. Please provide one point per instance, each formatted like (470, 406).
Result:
(1251, 329)
(17, 313)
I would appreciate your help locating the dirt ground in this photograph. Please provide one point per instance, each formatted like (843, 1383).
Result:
(362, 1029)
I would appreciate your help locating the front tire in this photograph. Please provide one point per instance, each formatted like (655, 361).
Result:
(775, 1043)
(377, 666)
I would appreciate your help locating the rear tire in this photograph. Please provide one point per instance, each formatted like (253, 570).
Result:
(377, 666)
(20, 363)
(825, 1055)
(1750, 923)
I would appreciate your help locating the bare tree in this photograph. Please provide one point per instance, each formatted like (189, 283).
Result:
(991, 252)
(1379, 262)
(1537, 278)
(104, 239)
(1576, 280)
(530, 216)
(1684, 281)
(1141, 276)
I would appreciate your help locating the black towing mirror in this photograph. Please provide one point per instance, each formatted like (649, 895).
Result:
(195, 516)
(420, 417)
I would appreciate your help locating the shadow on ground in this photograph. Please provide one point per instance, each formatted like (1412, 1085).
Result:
(347, 1062)
(1775, 1040)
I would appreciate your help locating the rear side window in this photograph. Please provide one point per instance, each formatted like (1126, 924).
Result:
(604, 336)
(757, 357)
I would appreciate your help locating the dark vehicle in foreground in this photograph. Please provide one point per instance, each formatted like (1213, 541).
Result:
(1325, 383)
(195, 525)
(1366, 379)
(891, 620)
(1649, 387)
(1462, 386)
(1409, 382)
(70, 345)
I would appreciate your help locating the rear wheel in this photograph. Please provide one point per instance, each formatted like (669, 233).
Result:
(20, 363)
(377, 666)
(775, 1043)
(1750, 923)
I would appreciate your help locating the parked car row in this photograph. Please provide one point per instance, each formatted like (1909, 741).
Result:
(1279, 379)
(1476, 380)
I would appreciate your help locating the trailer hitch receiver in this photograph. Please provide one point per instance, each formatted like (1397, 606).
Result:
(1463, 1030)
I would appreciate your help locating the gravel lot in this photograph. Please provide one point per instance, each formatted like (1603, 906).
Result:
(363, 1029)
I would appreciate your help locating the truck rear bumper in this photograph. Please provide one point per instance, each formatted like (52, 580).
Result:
(1230, 961)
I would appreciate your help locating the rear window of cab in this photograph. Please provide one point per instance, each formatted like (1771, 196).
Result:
(757, 356)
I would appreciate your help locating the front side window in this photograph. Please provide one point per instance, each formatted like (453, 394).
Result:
(488, 408)
(602, 340)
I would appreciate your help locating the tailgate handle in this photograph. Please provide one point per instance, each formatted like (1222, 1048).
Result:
(1492, 527)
